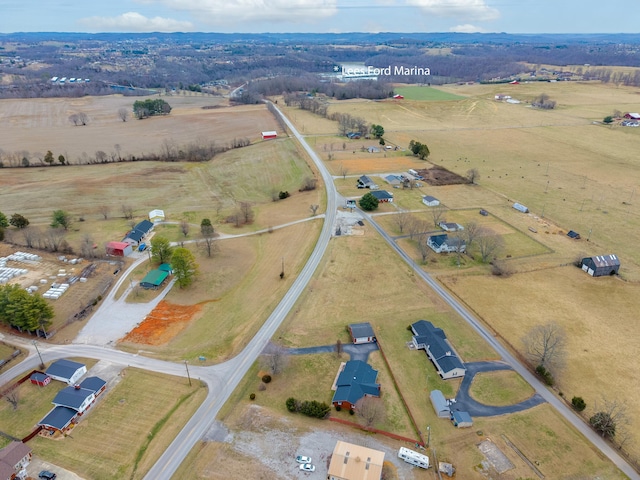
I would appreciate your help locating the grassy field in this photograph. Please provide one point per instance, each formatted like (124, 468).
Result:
(500, 388)
(425, 94)
(187, 123)
(115, 440)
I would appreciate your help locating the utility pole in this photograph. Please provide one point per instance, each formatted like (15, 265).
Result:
(186, 365)
(428, 435)
(35, 344)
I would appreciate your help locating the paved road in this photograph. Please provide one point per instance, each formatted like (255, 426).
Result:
(507, 357)
(466, 403)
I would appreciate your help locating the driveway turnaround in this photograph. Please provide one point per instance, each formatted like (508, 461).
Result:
(356, 352)
(465, 403)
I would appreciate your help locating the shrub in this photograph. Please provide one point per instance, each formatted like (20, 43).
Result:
(352, 411)
(338, 408)
(266, 378)
(578, 403)
(545, 375)
(604, 424)
(283, 195)
(291, 404)
(252, 396)
(608, 119)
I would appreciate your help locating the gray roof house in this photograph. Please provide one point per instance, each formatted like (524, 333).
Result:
(393, 179)
(139, 232)
(435, 344)
(430, 201)
(366, 182)
(450, 226)
(445, 244)
(440, 404)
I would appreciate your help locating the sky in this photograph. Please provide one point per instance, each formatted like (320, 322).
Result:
(320, 16)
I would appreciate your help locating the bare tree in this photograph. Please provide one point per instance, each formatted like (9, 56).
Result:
(423, 248)
(416, 227)
(104, 211)
(402, 219)
(370, 409)
(184, 227)
(275, 358)
(31, 235)
(83, 117)
(86, 246)
(127, 211)
(545, 345)
(123, 114)
(13, 398)
(118, 150)
(75, 119)
(471, 232)
(246, 210)
(438, 213)
(101, 156)
(489, 244)
(54, 238)
(473, 175)
(314, 208)
(339, 348)
(344, 171)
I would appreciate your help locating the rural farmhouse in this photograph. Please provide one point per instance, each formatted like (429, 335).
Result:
(356, 380)
(442, 243)
(435, 344)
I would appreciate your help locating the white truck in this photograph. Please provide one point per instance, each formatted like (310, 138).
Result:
(414, 458)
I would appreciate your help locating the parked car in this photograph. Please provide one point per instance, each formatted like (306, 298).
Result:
(484, 213)
(47, 475)
(307, 467)
(303, 459)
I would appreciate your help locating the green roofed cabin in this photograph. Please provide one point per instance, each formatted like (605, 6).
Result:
(154, 279)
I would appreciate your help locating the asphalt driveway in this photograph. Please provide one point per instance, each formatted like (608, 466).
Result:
(356, 352)
(465, 403)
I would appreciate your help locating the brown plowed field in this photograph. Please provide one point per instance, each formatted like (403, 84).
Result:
(163, 323)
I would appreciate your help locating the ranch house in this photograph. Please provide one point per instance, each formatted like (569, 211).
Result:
(435, 344)
(139, 232)
(355, 380)
(366, 182)
(383, 196)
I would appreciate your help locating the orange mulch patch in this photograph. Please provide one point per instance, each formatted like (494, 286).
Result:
(162, 324)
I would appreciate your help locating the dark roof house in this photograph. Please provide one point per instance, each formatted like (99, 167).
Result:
(356, 380)
(75, 397)
(435, 344)
(444, 243)
(461, 419)
(140, 231)
(383, 196)
(13, 459)
(366, 182)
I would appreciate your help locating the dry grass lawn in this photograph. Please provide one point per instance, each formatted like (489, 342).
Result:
(114, 440)
(499, 388)
(238, 287)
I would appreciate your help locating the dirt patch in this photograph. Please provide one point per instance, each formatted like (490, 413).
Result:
(437, 176)
(163, 323)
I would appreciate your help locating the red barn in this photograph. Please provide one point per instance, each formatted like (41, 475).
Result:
(118, 249)
(41, 379)
(398, 97)
(632, 116)
(269, 135)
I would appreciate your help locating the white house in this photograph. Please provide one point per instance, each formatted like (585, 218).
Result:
(443, 244)
(450, 226)
(66, 371)
(156, 216)
(430, 201)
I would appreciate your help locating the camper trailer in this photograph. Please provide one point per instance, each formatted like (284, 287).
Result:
(414, 458)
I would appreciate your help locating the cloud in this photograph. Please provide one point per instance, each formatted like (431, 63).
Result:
(223, 12)
(134, 22)
(467, 9)
(466, 28)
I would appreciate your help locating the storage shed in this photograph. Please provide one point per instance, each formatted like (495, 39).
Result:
(362, 333)
(118, 249)
(601, 265)
(440, 404)
(66, 371)
(520, 207)
(269, 135)
(430, 201)
(156, 216)
(461, 419)
(41, 379)
(154, 279)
